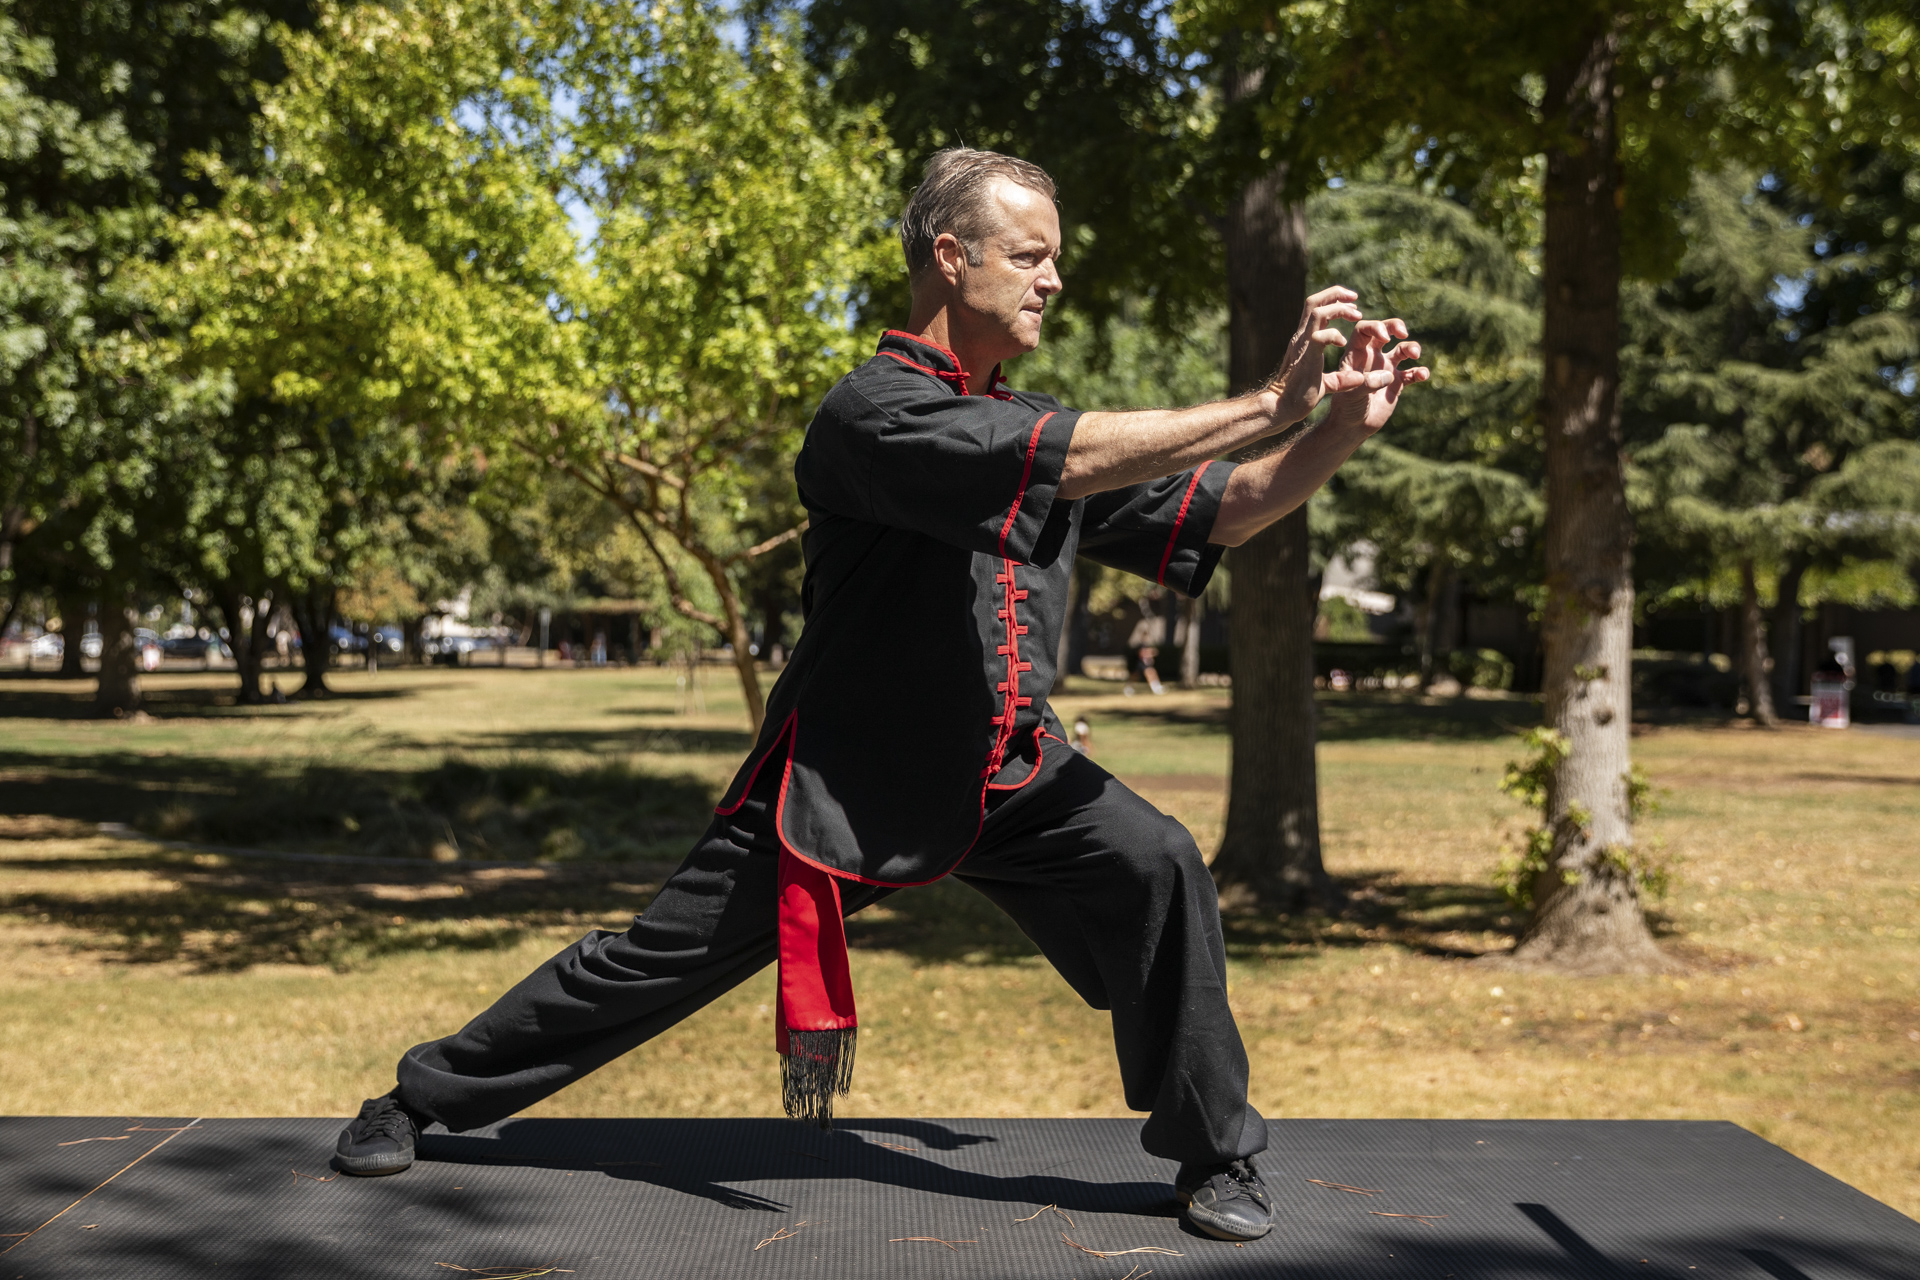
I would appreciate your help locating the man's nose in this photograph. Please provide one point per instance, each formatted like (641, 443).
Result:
(1049, 282)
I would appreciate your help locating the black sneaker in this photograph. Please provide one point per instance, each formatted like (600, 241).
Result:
(1227, 1201)
(378, 1140)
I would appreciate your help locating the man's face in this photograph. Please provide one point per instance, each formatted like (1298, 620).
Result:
(1001, 301)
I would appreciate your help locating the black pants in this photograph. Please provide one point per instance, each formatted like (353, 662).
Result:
(1110, 889)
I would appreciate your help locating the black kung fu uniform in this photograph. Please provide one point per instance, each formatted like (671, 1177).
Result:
(938, 555)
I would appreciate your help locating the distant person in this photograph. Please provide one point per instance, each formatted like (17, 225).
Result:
(1142, 653)
(1083, 737)
(945, 510)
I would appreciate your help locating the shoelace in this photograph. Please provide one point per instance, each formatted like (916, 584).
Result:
(388, 1122)
(1242, 1178)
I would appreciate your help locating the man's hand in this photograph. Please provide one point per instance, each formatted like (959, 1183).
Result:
(1301, 379)
(1373, 376)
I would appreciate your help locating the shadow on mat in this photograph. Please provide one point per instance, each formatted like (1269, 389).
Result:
(701, 1157)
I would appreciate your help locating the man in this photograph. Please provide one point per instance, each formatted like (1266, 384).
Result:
(946, 511)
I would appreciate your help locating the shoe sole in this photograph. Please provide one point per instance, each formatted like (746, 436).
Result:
(1220, 1230)
(374, 1166)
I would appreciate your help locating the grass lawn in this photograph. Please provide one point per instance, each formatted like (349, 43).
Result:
(149, 980)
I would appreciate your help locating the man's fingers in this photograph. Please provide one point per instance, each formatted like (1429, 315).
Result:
(1329, 337)
(1334, 293)
(1419, 373)
(1408, 350)
(1321, 317)
(1373, 331)
(1344, 379)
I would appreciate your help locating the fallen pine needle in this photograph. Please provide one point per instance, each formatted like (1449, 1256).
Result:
(1116, 1253)
(784, 1233)
(1427, 1218)
(297, 1175)
(951, 1244)
(508, 1273)
(1042, 1209)
(1341, 1186)
(118, 1137)
(894, 1146)
(1142, 1276)
(179, 1128)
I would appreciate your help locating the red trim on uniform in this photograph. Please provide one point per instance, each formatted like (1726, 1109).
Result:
(911, 365)
(1033, 447)
(786, 732)
(1039, 757)
(959, 370)
(1166, 557)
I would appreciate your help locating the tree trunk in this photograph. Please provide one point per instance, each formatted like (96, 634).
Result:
(1786, 635)
(1074, 636)
(1588, 916)
(73, 627)
(1190, 653)
(1436, 627)
(1270, 850)
(247, 632)
(411, 642)
(733, 627)
(312, 608)
(118, 693)
(1753, 649)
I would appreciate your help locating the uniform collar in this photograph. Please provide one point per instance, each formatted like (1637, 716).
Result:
(932, 358)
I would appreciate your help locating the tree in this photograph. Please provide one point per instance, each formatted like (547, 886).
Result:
(604, 242)
(728, 221)
(1601, 112)
(1449, 497)
(1763, 414)
(103, 102)
(375, 284)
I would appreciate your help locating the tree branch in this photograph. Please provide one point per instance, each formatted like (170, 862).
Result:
(777, 540)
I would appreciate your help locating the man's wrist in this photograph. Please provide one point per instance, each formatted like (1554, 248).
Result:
(1269, 404)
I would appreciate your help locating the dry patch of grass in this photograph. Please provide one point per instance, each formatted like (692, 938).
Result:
(148, 980)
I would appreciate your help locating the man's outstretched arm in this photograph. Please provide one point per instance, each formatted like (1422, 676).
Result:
(1114, 450)
(1260, 492)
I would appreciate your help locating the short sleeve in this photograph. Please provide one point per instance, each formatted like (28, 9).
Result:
(1159, 529)
(978, 472)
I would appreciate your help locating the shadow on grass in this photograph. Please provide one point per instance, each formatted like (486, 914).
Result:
(1351, 717)
(30, 697)
(1440, 919)
(225, 919)
(513, 811)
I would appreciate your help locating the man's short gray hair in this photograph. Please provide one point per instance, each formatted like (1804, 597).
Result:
(953, 197)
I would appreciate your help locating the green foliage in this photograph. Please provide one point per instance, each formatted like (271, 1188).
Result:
(1456, 476)
(1129, 365)
(1778, 429)
(1095, 94)
(1481, 668)
(1346, 622)
(1530, 779)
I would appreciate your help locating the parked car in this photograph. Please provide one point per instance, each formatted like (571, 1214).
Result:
(344, 640)
(188, 647)
(49, 645)
(452, 650)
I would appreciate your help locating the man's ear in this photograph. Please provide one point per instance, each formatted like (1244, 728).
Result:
(949, 257)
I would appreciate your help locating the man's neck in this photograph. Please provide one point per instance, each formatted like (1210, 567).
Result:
(976, 359)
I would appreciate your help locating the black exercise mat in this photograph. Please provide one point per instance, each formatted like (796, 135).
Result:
(683, 1199)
